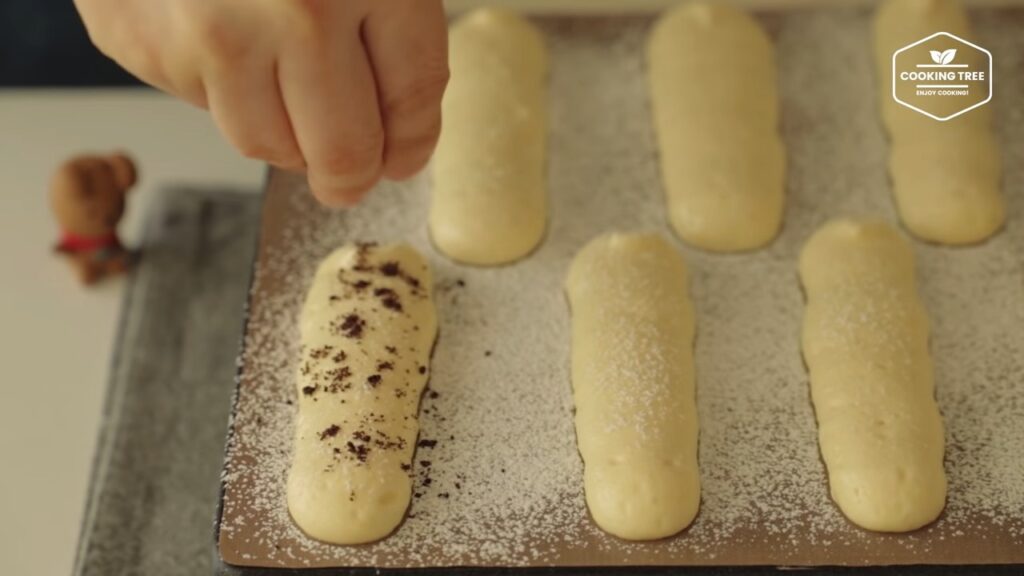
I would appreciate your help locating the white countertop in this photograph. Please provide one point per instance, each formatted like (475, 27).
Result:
(57, 337)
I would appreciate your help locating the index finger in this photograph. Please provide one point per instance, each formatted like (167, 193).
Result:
(330, 95)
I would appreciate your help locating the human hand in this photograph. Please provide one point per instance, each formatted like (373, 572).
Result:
(349, 90)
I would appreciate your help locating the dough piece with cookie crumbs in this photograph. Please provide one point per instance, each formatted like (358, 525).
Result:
(715, 101)
(946, 176)
(865, 342)
(367, 332)
(633, 385)
(489, 202)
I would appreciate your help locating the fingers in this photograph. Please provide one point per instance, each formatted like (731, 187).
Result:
(131, 35)
(331, 98)
(111, 29)
(407, 42)
(245, 101)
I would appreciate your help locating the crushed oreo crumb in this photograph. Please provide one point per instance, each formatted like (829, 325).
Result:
(352, 326)
(360, 452)
(330, 432)
(320, 353)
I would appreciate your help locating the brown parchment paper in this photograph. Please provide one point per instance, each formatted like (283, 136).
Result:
(765, 496)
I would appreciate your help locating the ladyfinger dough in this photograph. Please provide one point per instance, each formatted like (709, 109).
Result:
(490, 202)
(899, 23)
(367, 331)
(946, 176)
(633, 385)
(865, 342)
(715, 102)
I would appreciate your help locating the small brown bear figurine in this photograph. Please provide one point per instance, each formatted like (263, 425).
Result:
(87, 196)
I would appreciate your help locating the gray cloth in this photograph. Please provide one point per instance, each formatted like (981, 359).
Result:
(154, 488)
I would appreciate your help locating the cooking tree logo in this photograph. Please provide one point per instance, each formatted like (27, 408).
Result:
(943, 58)
(942, 76)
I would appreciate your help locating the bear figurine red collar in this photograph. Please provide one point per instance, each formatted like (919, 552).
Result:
(87, 196)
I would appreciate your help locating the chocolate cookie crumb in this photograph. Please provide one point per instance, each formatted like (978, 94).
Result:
(429, 444)
(423, 370)
(373, 380)
(389, 298)
(330, 432)
(382, 366)
(339, 374)
(360, 452)
(320, 353)
(309, 390)
(352, 326)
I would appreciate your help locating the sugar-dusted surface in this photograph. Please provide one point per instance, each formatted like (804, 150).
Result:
(505, 480)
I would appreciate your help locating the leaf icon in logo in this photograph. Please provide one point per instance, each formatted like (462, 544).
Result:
(948, 56)
(936, 56)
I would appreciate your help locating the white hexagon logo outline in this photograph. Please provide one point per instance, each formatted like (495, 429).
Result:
(929, 114)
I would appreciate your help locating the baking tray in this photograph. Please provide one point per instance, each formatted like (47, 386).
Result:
(505, 488)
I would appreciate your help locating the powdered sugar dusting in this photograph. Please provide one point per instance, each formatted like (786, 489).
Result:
(505, 479)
